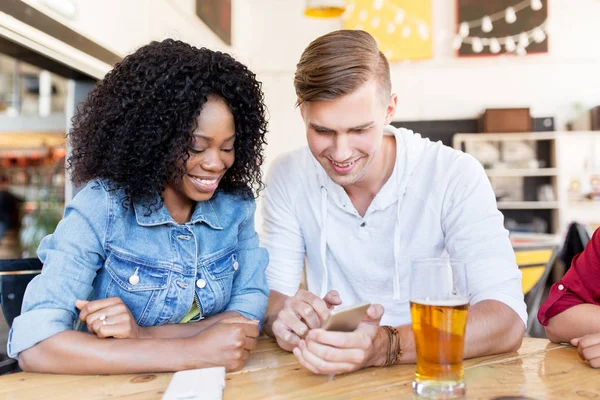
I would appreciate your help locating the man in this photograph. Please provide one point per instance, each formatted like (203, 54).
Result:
(571, 313)
(360, 203)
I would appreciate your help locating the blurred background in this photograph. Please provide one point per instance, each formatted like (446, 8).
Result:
(516, 83)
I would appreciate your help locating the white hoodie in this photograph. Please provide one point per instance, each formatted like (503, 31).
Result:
(437, 202)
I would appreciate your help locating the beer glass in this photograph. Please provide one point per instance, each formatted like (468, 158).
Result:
(439, 303)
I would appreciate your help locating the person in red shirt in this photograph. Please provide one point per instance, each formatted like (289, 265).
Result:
(571, 313)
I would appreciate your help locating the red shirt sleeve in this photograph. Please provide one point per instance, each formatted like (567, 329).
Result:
(581, 283)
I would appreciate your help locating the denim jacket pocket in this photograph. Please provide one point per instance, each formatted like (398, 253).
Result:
(139, 283)
(223, 267)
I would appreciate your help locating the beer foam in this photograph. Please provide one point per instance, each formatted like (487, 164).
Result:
(453, 302)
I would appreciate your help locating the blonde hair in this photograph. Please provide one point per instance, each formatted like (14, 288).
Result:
(338, 63)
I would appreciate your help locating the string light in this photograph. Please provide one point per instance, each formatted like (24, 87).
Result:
(538, 35)
(457, 43)
(515, 43)
(375, 22)
(536, 5)
(509, 44)
(423, 30)
(495, 46)
(477, 45)
(399, 18)
(362, 16)
(510, 16)
(464, 29)
(523, 40)
(349, 11)
(486, 24)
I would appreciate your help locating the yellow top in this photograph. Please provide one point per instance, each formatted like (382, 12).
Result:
(194, 311)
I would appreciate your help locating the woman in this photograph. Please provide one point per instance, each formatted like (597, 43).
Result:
(571, 313)
(170, 146)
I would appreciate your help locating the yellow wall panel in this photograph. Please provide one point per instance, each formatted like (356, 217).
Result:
(402, 28)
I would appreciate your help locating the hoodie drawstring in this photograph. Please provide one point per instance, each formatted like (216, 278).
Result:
(402, 184)
(325, 280)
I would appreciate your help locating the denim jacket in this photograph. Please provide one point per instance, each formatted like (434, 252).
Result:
(157, 267)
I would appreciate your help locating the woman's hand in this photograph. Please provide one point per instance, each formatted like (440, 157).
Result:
(108, 318)
(227, 343)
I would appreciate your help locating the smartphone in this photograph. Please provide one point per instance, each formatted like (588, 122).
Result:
(346, 319)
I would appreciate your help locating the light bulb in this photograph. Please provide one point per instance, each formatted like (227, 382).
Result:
(538, 35)
(521, 51)
(523, 40)
(477, 45)
(510, 16)
(457, 43)
(406, 31)
(348, 12)
(391, 28)
(536, 5)
(495, 46)
(423, 30)
(363, 15)
(399, 17)
(509, 44)
(463, 30)
(486, 24)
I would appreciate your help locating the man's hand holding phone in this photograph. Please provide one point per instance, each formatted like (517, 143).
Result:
(300, 313)
(335, 352)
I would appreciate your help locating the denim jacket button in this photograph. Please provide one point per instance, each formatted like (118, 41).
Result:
(236, 265)
(201, 283)
(135, 278)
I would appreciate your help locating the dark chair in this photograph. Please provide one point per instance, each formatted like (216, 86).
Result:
(533, 298)
(15, 275)
(575, 241)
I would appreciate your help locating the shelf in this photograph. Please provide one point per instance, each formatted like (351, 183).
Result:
(27, 124)
(29, 167)
(522, 172)
(528, 205)
(502, 137)
(583, 203)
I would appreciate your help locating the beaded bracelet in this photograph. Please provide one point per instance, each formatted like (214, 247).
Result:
(394, 352)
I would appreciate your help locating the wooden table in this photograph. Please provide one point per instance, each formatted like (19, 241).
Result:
(539, 370)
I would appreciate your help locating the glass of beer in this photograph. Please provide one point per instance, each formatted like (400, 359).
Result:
(439, 303)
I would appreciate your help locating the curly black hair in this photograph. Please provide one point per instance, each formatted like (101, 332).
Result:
(135, 128)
